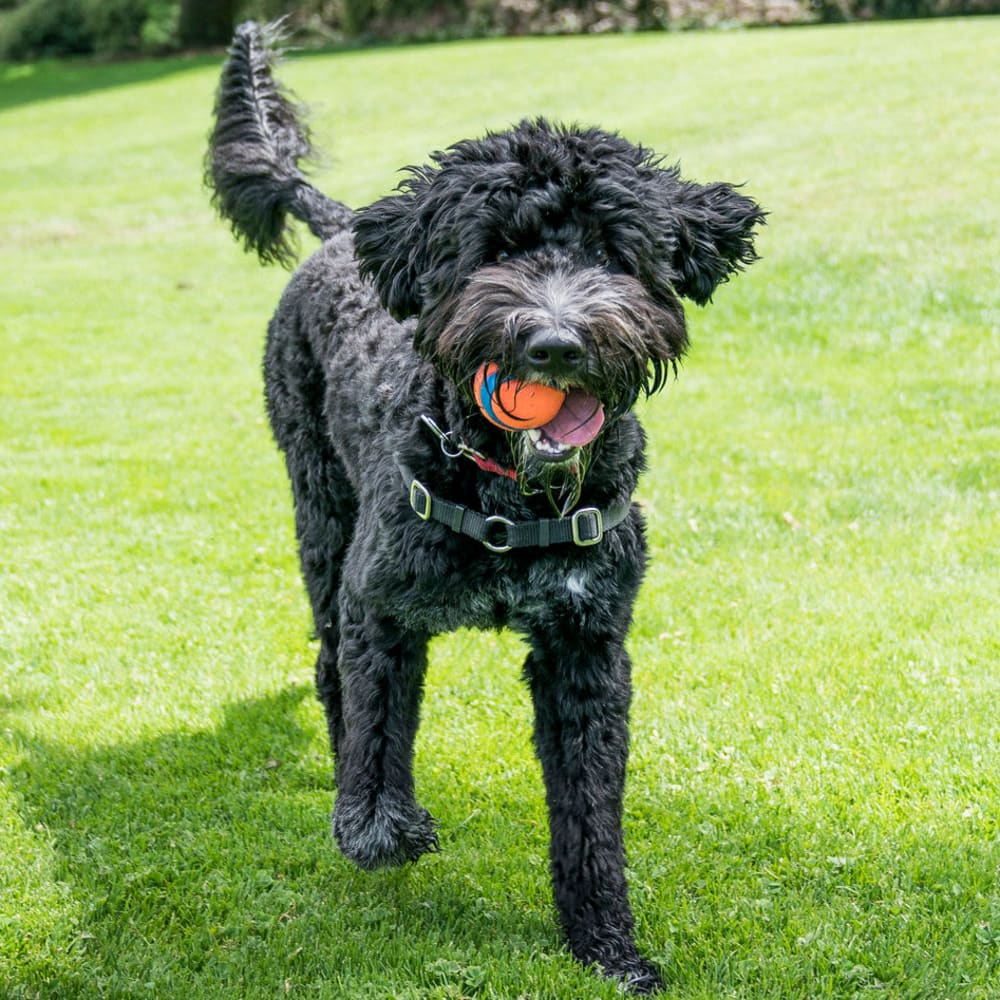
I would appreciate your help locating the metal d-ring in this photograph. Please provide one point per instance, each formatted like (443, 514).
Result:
(507, 524)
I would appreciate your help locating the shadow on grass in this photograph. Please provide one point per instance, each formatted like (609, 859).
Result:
(29, 83)
(202, 865)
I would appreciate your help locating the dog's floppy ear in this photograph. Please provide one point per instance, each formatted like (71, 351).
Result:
(390, 242)
(715, 231)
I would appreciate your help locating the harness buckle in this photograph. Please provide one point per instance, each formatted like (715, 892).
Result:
(420, 500)
(587, 518)
(498, 545)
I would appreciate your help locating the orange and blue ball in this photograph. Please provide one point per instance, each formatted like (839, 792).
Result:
(512, 404)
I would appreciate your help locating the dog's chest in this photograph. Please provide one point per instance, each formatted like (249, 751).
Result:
(547, 588)
(485, 591)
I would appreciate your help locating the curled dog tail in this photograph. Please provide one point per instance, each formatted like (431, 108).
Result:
(257, 143)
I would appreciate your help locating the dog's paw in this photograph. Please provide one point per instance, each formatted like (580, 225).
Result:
(640, 978)
(383, 834)
(635, 975)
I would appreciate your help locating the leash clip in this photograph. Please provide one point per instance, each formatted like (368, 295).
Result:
(444, 439)
(459, 449)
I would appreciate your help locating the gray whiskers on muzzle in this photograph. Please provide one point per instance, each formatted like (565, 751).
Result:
(628, 341)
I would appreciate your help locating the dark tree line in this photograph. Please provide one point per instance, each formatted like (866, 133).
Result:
(33, 28)
(206, 22)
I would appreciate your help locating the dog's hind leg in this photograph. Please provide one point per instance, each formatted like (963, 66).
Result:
(376, 819)
(325, 505)
(324, 519)
(581, 692)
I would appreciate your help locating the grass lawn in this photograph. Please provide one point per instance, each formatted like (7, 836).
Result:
(814, 790)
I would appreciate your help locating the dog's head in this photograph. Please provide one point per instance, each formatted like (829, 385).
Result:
(560, 254)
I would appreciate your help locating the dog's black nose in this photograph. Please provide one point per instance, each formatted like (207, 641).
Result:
(555, 352)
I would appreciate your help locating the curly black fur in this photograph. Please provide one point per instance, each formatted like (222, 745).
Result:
(562, 255)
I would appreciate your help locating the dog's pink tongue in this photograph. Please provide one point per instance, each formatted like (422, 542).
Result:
(578, 421)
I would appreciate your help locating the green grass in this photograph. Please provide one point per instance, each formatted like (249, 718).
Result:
(815, 782)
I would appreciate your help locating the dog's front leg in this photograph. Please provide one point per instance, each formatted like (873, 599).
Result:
(581, 689)
(376, 819)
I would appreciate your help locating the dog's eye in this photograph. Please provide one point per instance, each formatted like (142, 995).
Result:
(503, 256)
(601, 256)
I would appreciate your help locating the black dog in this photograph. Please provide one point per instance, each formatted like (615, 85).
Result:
(560, 255)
